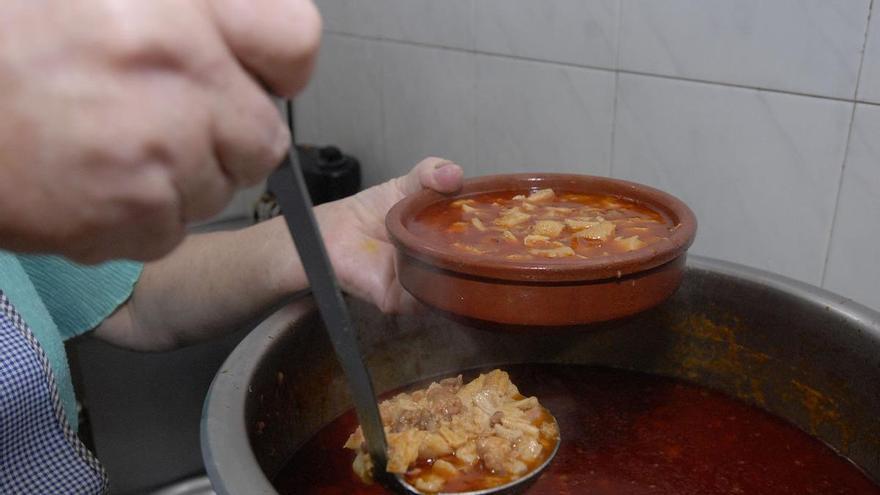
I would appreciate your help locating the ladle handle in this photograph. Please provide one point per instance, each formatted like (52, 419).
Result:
(296, 205)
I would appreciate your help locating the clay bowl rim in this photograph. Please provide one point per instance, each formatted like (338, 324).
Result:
(612, 266)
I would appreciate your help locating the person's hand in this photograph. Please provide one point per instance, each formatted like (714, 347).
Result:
(354, 231)
(124, 119)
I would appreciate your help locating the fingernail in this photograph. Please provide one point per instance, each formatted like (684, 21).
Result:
(443, 165)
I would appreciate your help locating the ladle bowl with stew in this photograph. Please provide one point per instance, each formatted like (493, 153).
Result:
(424, 417)
(445, 257)
(519, 485)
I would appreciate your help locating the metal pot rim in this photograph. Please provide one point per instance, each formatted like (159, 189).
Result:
(223, 424)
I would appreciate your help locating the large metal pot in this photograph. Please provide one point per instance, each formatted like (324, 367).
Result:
(797, 351)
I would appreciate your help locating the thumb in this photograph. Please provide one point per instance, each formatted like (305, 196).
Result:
(434, 173)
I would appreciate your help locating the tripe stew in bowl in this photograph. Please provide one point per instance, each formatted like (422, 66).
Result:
(542, 225)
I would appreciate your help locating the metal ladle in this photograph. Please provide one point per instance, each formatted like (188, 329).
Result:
(296, 206)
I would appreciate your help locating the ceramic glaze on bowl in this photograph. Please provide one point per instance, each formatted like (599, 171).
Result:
(541, 292)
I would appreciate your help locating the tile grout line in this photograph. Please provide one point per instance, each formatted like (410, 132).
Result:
(476, 87)
(318, 127)
(618, 70)
(382, 137)
(616, 89)
(849, 134)
(742, 87)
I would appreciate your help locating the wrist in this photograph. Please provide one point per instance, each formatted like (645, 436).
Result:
(328, 216)
(280, 268)
(285, 271)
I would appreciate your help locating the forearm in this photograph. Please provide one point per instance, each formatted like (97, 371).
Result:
(208, 286)
(214, 283)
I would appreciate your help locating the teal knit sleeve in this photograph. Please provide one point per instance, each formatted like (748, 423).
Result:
(79, 297)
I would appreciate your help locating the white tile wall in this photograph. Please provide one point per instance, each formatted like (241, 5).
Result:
(307, 124)
(570, 31)
(428, 105)
(448, 23)
(349, 84)
(539, 116)
(807, 46)
(359, 17)
(853, 261)
(657, 91)
(759, 169)
(869, 84)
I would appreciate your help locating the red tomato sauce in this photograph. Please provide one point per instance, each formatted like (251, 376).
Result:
(542, 225)
(629, 433)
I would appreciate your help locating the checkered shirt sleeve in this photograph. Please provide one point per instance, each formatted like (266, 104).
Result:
(39, 452)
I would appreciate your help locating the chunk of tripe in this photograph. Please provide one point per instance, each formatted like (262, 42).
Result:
(468, 248)
(478, 224)
(629, 243)
(579, 223)
(601, 231)
(541, 196)
(536, 240)
(468, 208)
(557, 252)
(558, 209)
(508, 236)
(512, 217)
(403, 449)
(467, 453)
(430, 483)
(549, 228)
(460, 202)
(444, 468)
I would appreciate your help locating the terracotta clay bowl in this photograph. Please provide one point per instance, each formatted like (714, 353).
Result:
(535, 293)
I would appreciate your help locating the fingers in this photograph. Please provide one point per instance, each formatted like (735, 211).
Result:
(155, 229)
(156, 112)
(276, 40)
(434, 173)
(446, 178)
(250, 138)
(199, 176)
(395, 299)
(408, 305)
(177, 135)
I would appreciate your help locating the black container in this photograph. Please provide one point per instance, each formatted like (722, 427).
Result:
(329, 174)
